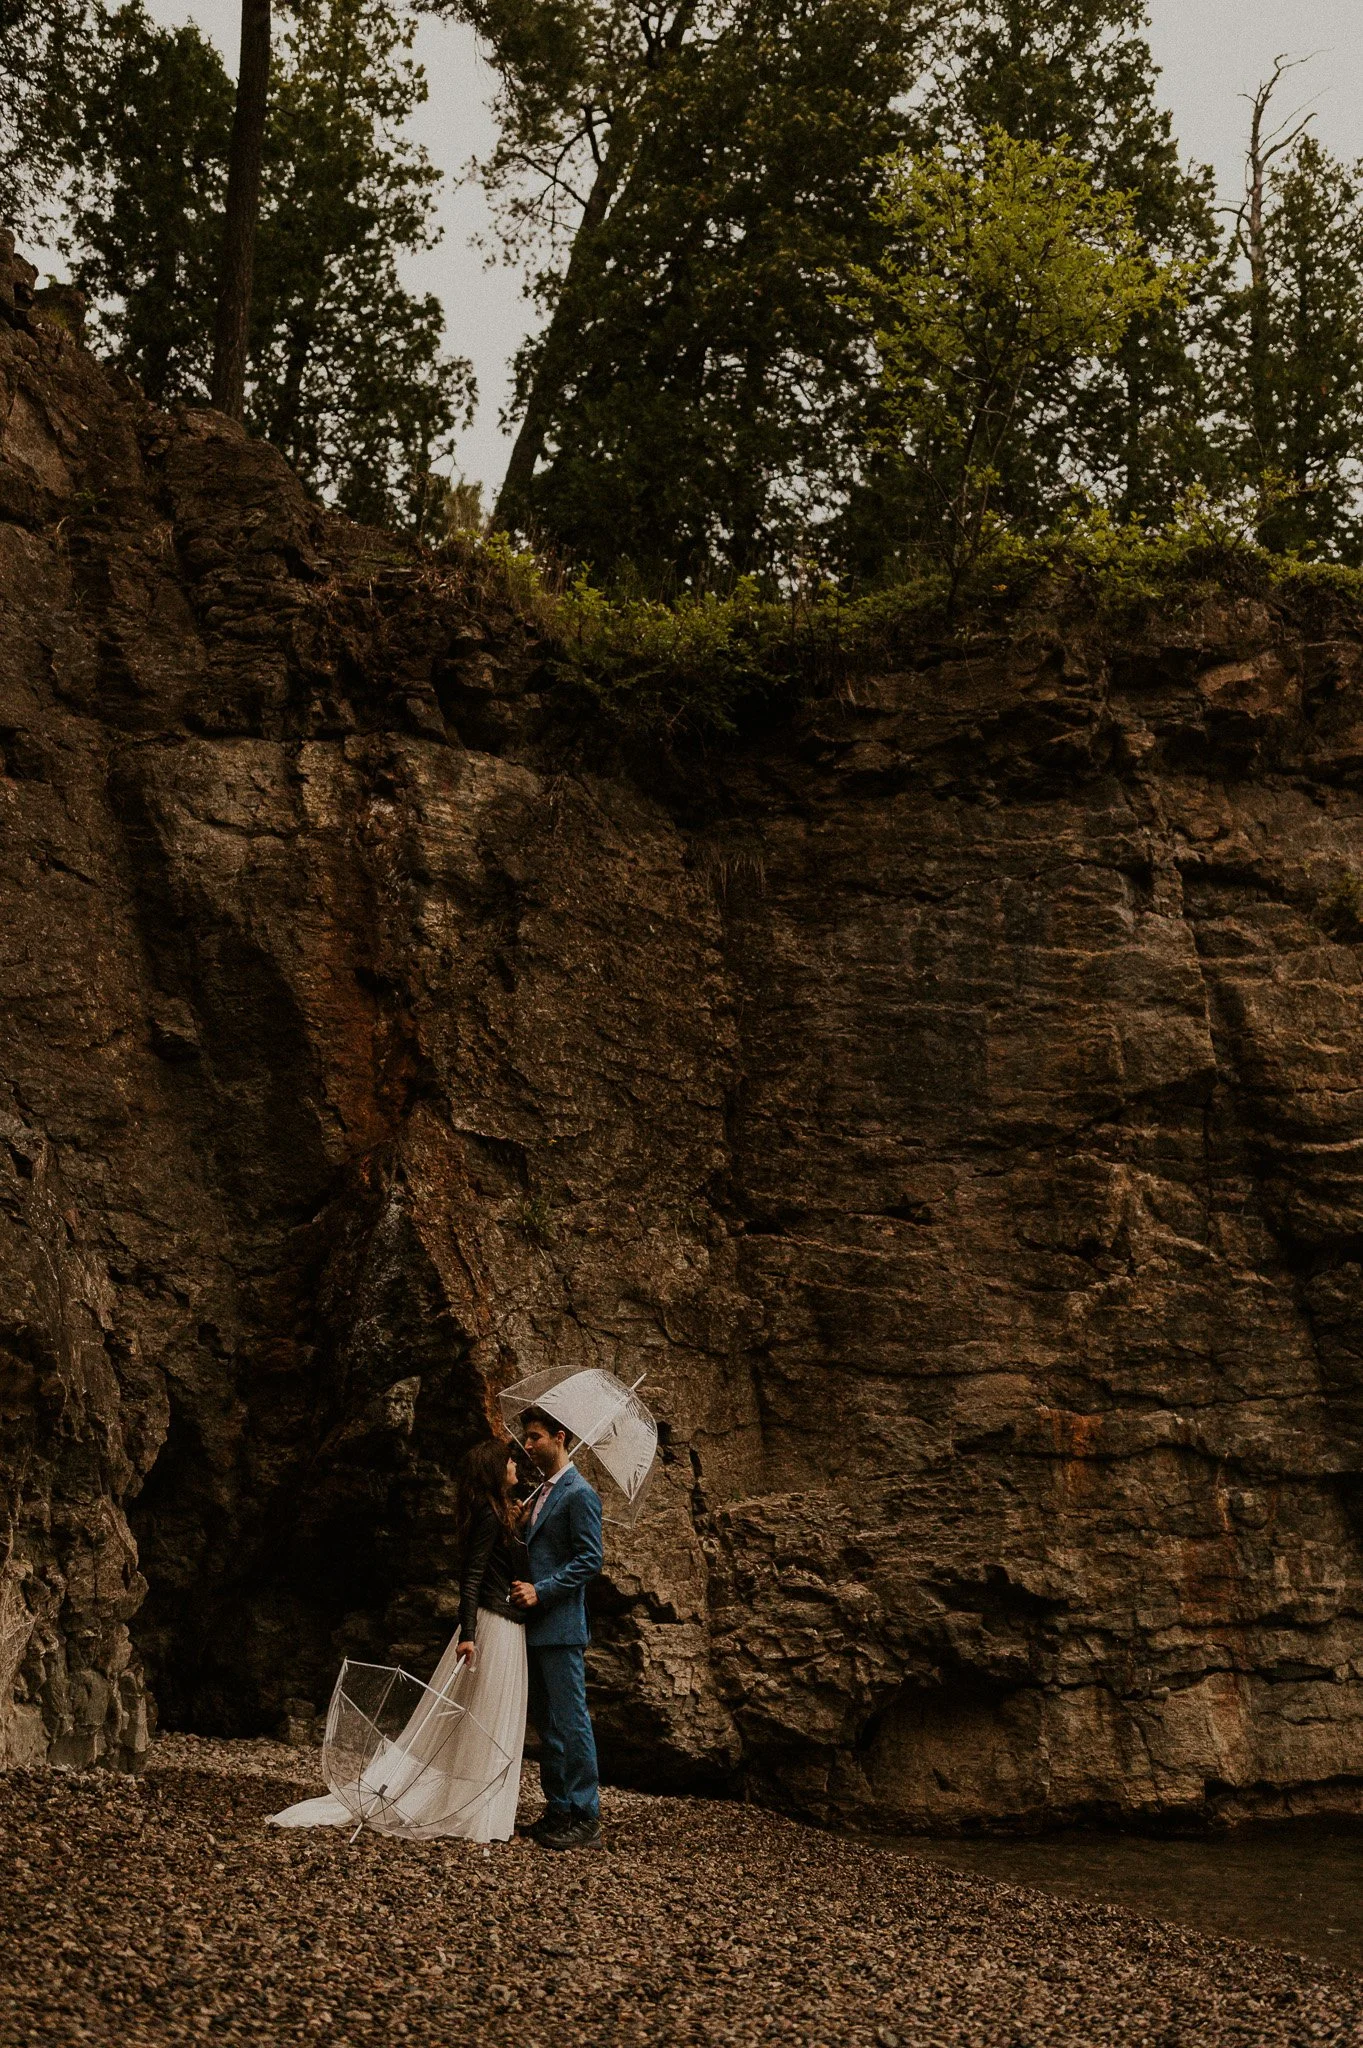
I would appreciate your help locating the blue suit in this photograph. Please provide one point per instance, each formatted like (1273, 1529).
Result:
(565, 1556)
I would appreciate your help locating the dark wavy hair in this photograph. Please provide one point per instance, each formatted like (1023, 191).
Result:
(546, 1420)
(481, 1482)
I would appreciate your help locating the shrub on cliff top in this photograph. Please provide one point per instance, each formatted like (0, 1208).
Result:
(708, 663)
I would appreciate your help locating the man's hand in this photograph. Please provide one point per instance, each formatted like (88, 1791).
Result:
(523, 1594)
(468, 1650)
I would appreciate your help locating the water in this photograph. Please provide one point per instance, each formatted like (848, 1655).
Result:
(1292, 1885)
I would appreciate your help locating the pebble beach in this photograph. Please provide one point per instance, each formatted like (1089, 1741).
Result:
(162, 1910)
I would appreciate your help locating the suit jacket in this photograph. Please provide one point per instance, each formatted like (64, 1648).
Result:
(565, 1556)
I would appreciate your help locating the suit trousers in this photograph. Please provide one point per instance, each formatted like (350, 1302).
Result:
(558, 1708)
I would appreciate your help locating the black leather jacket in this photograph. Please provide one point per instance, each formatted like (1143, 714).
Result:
(494, 1560)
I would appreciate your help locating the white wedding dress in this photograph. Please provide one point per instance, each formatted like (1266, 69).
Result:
(445, 1774)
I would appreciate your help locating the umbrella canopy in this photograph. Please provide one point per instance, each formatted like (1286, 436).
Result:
(407, 1758)
(610, 1422)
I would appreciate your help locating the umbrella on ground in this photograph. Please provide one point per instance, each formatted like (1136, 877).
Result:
(407, 1758)
(616, 1436)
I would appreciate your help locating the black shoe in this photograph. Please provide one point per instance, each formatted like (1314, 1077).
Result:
(582, 1833)
(549, 1823)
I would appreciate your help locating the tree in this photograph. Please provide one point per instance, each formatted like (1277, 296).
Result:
(575, 82)
(348, 378)
(1004, 271)
(716, 166)
(241, 212)
(1293, 347)
(1250, 242)
(345, 368)
(151, 116)
(1078, 75)
(39, 40)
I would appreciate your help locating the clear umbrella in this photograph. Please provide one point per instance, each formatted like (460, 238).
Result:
(616, 1437)
(407, 1758)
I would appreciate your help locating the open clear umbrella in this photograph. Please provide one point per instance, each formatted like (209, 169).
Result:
(616, 1437)
(407, 1758)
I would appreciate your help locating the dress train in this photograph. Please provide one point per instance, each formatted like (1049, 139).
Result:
(433, 1756)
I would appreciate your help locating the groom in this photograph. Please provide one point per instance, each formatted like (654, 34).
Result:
(563, 1537)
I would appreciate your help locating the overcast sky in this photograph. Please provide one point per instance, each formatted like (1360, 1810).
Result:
(1209, 52)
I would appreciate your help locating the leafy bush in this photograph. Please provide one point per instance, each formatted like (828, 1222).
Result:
(708, 664)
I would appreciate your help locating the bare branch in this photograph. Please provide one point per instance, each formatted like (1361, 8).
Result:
(1263, 148)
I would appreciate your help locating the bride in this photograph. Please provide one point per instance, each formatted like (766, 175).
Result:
(491, 1639)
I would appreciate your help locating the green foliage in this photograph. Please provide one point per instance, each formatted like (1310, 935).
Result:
(572, 77)
(1078, 75)
(455, 510)
(702, 428)
(672, 667)
(147, 148)
(1131, 432)
(687, 397)
(705, 667)
(535, 1216)
(1038, 322)
(1043, 69)
(691, 408)
(40, 44)
(1002, 268)
(347, 375)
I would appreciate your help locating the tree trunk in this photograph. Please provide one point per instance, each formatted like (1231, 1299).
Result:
(1255, 166)
(557, 351)
(512, 510)
(242, 212)
(282, 429)
(1260, 155)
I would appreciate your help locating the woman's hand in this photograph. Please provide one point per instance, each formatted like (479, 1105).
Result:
(468, 1651)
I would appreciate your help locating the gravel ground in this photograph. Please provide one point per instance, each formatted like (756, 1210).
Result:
(163, 1911)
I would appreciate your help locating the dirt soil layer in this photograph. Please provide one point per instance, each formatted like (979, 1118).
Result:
(162, 1910)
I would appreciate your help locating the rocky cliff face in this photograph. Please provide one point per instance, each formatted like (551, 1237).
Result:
(953, 1105)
